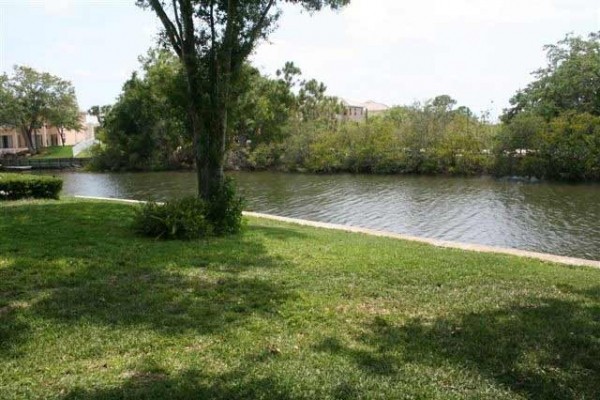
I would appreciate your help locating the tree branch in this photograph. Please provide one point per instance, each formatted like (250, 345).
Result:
(246, 48)
(176, 14)
(254, 32)
(172, 33)
(213, 33)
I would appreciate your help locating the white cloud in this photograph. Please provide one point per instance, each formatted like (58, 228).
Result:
(2, 40)
(393, 51)
(83, 73)
(66, 48)
(389, 21)
(54, 7)
(398, 51)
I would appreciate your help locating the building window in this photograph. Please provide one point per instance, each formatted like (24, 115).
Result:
(6, 142)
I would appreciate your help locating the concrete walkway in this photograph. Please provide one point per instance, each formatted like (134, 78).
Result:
(434, 242)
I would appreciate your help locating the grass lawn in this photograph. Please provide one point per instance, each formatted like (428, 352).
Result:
(55, 152)
(84, 154)
(89, 311)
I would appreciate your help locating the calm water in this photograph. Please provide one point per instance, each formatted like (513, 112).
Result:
(554, 218)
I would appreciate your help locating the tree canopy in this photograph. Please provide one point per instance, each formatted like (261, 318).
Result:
(213, 39)
(146, 127)
(552, 129)
(570, 81)
(29, 99)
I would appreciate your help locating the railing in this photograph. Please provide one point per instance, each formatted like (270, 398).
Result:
(84, 145)
(46, 163)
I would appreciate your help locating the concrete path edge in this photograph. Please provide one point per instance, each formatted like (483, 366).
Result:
(434, 242)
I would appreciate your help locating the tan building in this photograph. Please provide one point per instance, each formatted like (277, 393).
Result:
(353, 111)
(356, 111)
(374, 108)
(12, 141)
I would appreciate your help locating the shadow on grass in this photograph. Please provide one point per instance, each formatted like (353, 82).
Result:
(83, 264)
(191, 384)
(550, 350)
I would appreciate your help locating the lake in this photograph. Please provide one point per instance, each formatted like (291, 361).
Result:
(555, 218)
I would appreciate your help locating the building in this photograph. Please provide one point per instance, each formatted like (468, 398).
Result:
(13, 142)
(356, 111)
(353, 111)
(374, 108)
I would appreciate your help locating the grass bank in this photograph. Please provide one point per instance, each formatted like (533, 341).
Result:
(89, 311)
(54, 152)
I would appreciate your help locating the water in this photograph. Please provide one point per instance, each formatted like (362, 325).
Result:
(554, 218)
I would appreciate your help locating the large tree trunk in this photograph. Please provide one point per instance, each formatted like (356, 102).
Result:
(208, 125)
(61, 132)
(211, 154)
(29, 140)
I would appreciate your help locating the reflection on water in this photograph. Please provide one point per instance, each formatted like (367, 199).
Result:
(550, 217)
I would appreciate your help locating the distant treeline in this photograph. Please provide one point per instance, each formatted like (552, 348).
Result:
(430, 139)
(552, 129)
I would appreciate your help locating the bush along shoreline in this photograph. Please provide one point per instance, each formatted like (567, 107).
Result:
(567, 148)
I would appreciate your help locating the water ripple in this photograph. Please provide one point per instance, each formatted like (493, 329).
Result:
(556, 218)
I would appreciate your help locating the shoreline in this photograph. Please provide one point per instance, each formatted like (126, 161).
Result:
(565, 260)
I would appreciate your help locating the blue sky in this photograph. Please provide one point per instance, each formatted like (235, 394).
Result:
(393, 51)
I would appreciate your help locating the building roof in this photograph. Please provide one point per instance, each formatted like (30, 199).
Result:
(352, 103)
(369, 105)
(374, 106)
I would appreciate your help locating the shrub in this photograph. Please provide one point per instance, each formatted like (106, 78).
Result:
(265, 156)
(21, 186)
(177, 219)
(564, 147)
(191, 217)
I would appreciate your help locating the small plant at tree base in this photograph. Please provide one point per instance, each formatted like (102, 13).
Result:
(191, 217)
(183, 219)
(225, 208)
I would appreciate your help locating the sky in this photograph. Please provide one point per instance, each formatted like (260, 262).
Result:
(392, 51)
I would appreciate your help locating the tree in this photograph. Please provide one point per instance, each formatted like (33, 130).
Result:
(570, 81)
(263, 108)
(147, 125)
(64, 112)
(213, 39)
(7, 103)
(443, 103)
(100, 112)
(29, 99)
(315, 105)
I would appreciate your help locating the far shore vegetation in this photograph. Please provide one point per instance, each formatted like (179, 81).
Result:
(89, 310)
(289, 123)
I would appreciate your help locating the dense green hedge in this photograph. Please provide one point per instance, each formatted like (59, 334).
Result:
(15, 186)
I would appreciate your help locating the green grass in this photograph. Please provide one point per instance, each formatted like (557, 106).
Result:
(55, 152)
(85, 154)
(89, 311)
